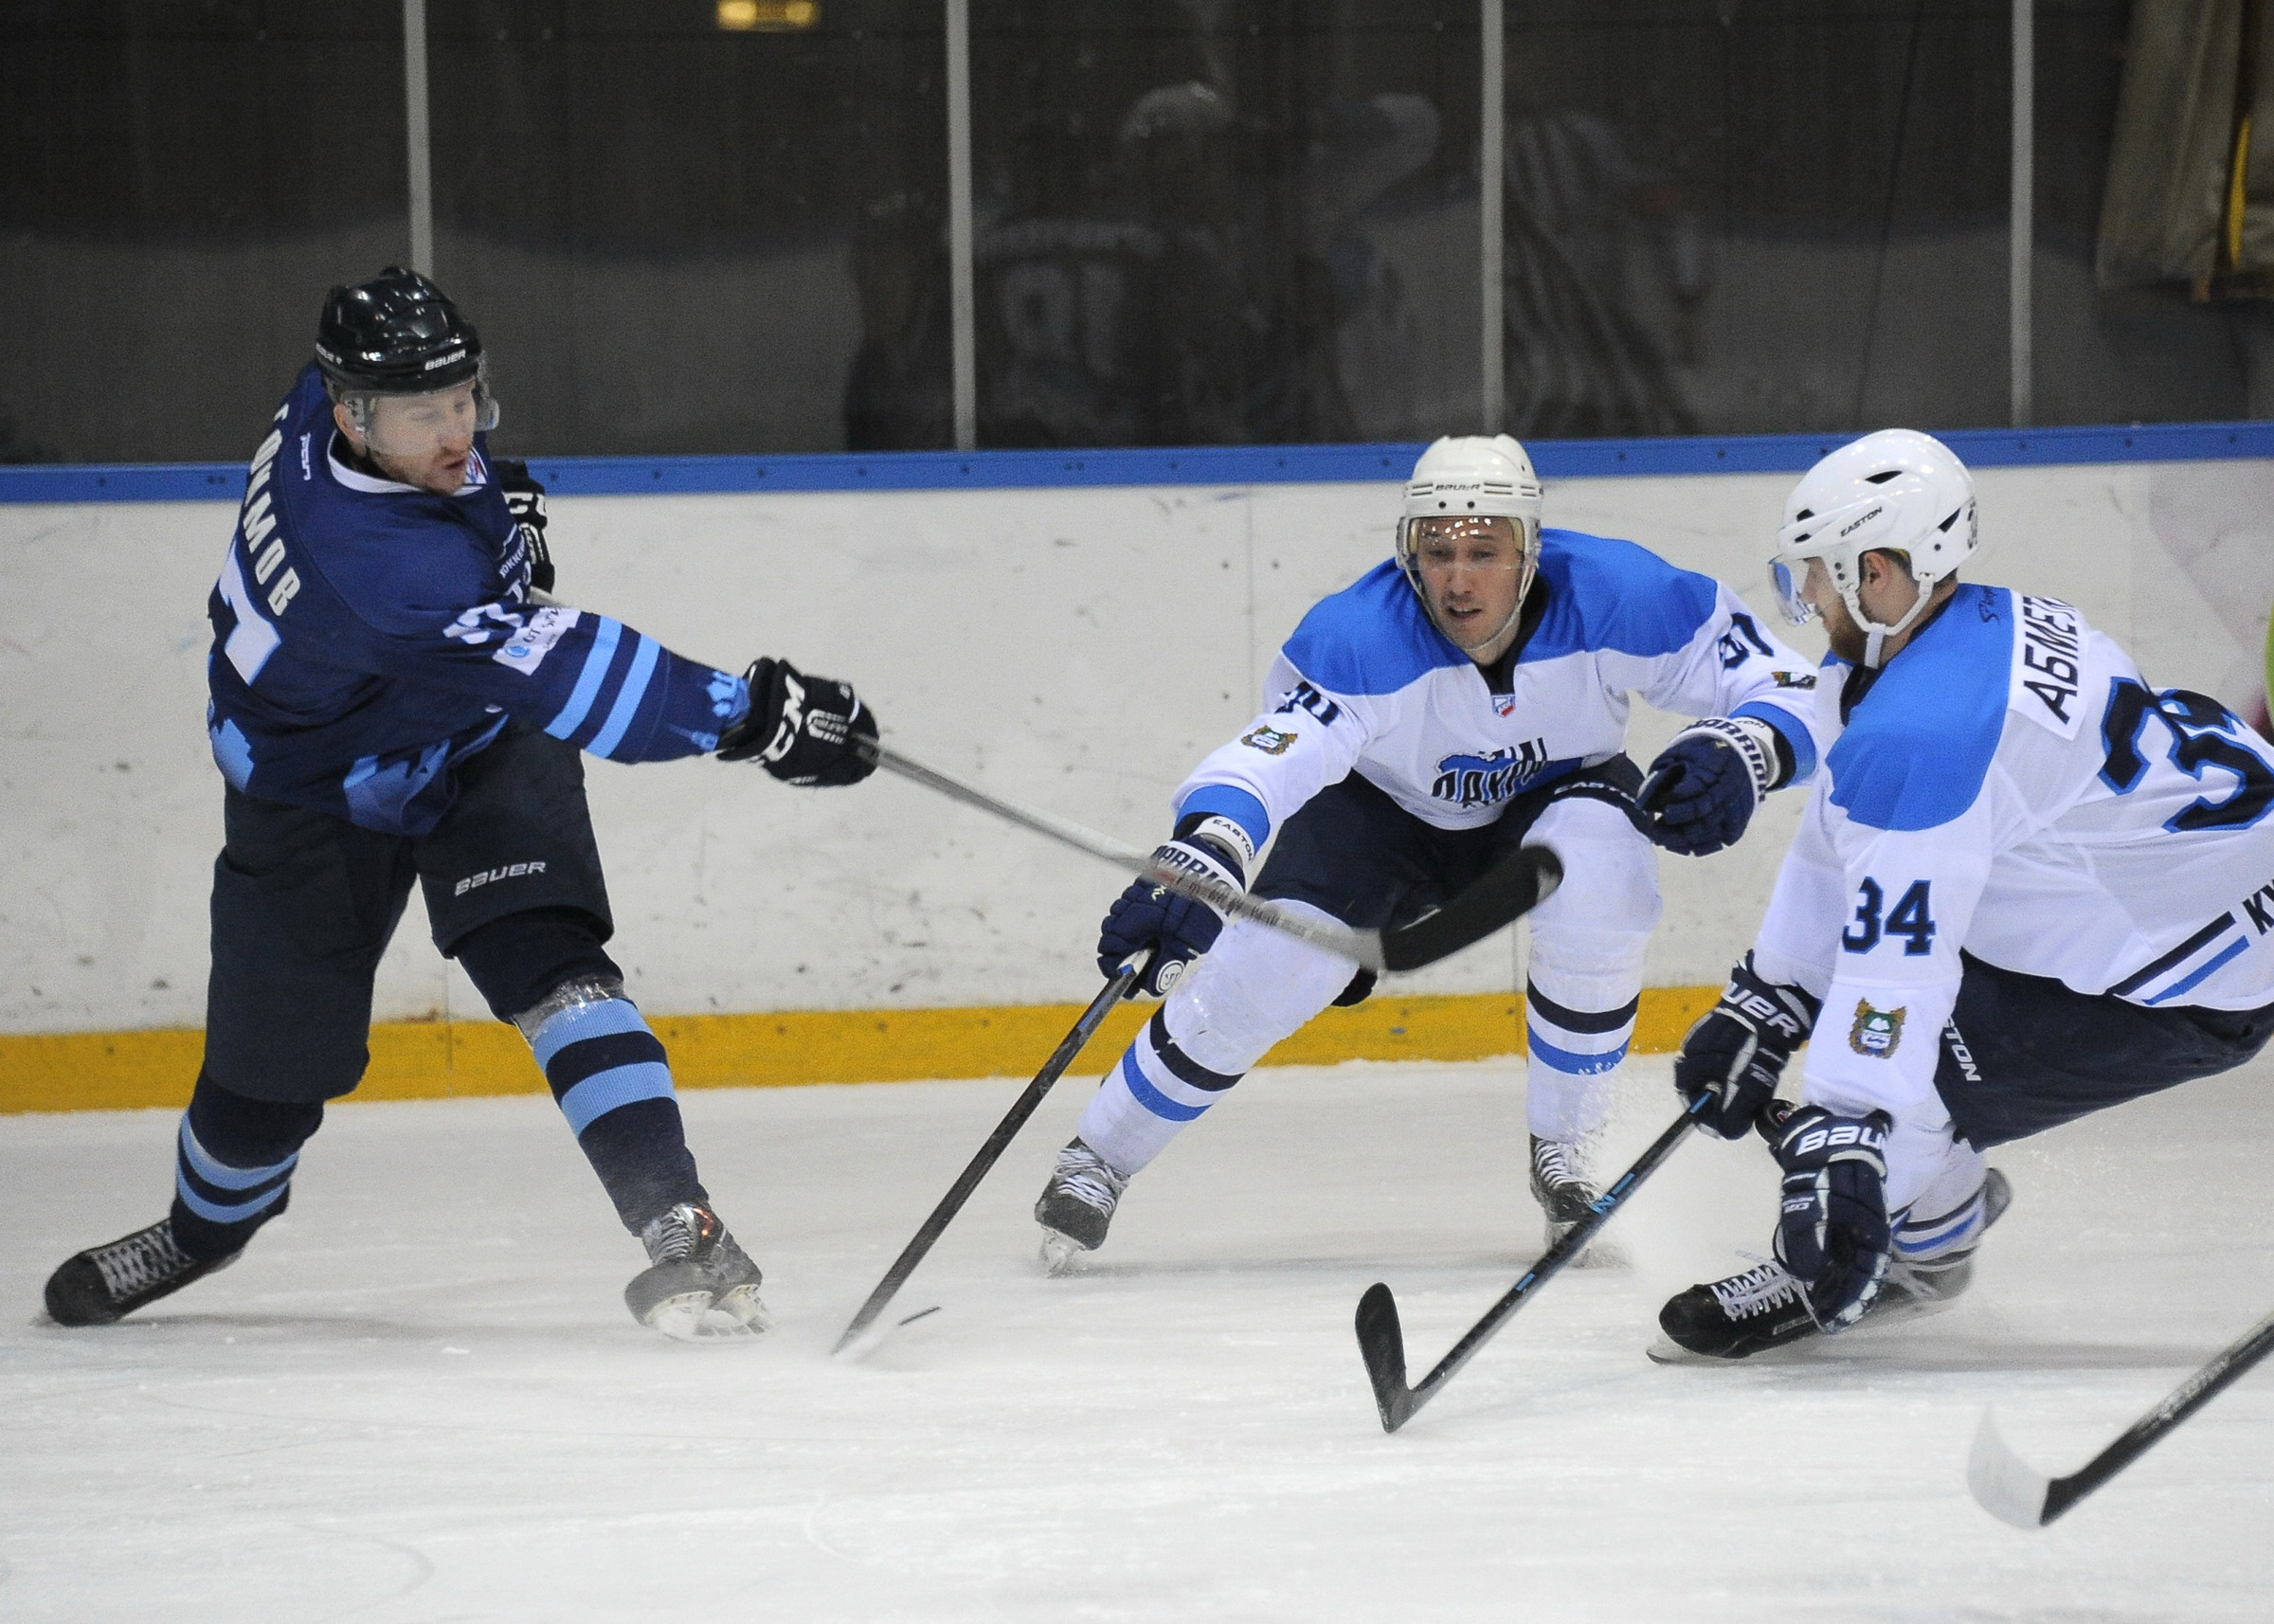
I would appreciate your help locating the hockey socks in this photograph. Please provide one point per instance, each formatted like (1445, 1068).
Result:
(1156, 1089)
(1567, 1094)
(612, 1080)
(233, 1163)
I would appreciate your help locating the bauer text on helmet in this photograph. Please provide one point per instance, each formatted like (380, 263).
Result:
(1898, 492)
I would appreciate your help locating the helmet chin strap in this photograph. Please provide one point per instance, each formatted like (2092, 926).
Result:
(1875, 634)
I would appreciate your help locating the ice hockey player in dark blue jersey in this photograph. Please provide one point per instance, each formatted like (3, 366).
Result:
(394, 698)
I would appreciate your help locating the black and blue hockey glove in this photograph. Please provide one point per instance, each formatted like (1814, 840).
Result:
(1832, 1234)
(1703, 787)
(813, 731)
(1738, 1050)
(525, 500)
(1149, 915)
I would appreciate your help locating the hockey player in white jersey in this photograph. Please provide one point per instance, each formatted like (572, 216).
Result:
(2027, 886)
(1468, 695)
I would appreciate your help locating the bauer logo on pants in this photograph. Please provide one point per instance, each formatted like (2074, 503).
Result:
(510, 870)
(1877, 1032)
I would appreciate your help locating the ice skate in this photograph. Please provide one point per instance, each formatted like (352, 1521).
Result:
(1761, 1309)
(699, 1284)
(106, 1283)
(1566, 1195)
(1076, 1205)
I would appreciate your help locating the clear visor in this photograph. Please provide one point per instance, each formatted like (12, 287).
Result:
(420, 425)
(1787, 585)
(1470, 539)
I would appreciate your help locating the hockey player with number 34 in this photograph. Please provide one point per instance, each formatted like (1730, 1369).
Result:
(1468, 695)
(2027, 886)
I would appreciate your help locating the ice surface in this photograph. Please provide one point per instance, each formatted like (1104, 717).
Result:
(418, 1397)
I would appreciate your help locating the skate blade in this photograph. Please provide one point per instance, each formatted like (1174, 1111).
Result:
(696, 1316)
(1061, 1254)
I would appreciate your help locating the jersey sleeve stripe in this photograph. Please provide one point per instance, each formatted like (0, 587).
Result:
(1228, 800)
(588, 679)
(2147, 973)
(628, 696)
(1795, 732)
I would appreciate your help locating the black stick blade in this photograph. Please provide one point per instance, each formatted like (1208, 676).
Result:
(1382, 1344)
(1509, 890)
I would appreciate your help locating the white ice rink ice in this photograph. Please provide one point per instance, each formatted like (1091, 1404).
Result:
(418, 1397)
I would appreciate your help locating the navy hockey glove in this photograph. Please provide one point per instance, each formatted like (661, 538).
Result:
(1149, 915)
(1832, 1234)
(809, 730)
(525, 500)
(1738, 1049)
(1704, 786)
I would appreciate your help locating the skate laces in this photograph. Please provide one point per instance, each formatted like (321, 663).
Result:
(1552, 1164)
(1086, 1176)
(146, 1258)
(679, 1233)
(1763, 1287)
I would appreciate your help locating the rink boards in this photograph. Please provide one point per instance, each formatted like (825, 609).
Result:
(1062, 640)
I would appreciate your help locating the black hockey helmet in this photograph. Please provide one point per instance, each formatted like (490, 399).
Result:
(396, 333)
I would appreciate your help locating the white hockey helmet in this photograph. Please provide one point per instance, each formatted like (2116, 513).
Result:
(1471, 476)
(1897, 490)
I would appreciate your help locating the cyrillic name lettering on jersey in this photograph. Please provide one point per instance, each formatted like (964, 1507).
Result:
(2049, 665)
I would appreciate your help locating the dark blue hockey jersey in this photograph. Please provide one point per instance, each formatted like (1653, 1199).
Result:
(368, 636)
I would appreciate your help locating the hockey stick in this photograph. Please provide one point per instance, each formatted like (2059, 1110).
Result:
(1382, 1341)
(2010, 1488)
(967, 1180)
(1518, 883)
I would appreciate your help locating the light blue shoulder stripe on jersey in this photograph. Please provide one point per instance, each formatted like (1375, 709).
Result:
(1788, 727)
(1606, 595)
(588, 679)
(629, 695)
(1919, 744)
(1228, 800)
(1371, 637)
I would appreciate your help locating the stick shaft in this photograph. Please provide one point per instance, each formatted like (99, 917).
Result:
(988, 1154)
(2228, 1366)
(1361, 948)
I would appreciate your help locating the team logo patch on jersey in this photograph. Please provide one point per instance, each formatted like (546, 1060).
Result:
(1794, 678)
(1480, 779)
(1271, 741)
(1877, 1033)
(1504, 704)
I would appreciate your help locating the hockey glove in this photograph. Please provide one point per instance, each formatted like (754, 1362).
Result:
(1738, 1049)
(1832, 1234)
(1704, 786)
(1149, 915)
(525, 500)
(807, 731)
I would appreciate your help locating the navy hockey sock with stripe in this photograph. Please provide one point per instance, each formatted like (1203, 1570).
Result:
(233, 1163)
(609, 1075)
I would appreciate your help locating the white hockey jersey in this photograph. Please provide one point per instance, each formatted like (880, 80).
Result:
(1368, 684)
(2011, 785)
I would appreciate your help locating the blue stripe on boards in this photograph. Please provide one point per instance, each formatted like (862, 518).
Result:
(593, 1098)
(1385, 463)
(588, 679)
(220, 1173)
(1142, 1089)
(1564, 1061)
(221, 1212)
(628, 696)
(583, 1021)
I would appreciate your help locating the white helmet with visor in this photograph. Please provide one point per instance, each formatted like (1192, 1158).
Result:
(1897, 490)
(1459, 481)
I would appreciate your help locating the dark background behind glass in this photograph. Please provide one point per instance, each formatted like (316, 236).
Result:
(1196, 221)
